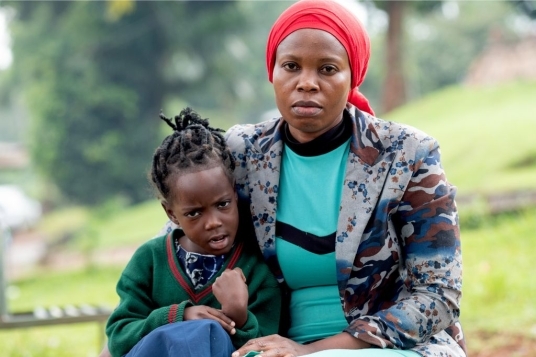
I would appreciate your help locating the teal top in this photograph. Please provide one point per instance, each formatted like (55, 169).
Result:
(305, 232)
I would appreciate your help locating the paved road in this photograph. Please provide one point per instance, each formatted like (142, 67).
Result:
(27, 251)
(22, 252)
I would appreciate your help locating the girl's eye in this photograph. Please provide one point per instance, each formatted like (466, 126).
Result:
(192, 214)
(224, 204)
(291, 66)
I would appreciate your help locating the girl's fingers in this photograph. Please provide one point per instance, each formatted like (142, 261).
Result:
(225, 322)
(241, 273)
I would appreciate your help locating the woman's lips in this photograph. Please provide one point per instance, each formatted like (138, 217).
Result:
(306, 108)
(306, 111)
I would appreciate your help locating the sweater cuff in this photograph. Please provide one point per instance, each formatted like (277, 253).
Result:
(176, 312)
(247, 332)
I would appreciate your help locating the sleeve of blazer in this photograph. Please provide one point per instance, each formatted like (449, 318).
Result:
(237, 145)
(427, 228)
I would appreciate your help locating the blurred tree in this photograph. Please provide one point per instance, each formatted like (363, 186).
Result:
(394, 85)
(431, 44)
(443, 44)
(255, 91)
(233, 78)
(95, 75)
(527, 6)
(92, 132)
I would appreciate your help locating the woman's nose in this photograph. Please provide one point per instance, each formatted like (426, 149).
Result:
(308, 81)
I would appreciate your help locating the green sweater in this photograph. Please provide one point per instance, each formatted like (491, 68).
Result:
(154, 291)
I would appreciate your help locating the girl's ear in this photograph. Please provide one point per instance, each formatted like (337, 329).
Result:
(170, 214)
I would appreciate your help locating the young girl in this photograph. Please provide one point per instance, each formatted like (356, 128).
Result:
(202, 289)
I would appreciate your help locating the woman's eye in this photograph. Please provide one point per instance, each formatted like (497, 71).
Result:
(329, 69)
(290, 66)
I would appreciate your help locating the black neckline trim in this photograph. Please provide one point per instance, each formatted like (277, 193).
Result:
(329, 141)
(305, 240)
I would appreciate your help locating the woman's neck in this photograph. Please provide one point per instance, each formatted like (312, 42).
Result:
(326, 142)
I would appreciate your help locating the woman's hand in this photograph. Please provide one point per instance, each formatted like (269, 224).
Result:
(231, 291)
(277, 346)
(204, 312)
(273, 346)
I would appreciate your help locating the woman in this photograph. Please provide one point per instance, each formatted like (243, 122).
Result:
(349, 210)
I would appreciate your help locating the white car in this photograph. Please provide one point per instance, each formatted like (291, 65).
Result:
(17, 210)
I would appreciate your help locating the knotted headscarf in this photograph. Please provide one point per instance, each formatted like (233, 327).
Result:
(335, 19)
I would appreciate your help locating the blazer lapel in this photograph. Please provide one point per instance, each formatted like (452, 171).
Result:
(264, 184)
(366, 168)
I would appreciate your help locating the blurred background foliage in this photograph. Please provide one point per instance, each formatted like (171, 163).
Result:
(89, 78)
(80, 101)
(95, 83)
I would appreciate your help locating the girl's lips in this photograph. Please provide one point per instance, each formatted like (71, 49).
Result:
(218, 243)
(306, 111)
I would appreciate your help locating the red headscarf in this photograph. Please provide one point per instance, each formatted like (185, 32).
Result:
(335, 19)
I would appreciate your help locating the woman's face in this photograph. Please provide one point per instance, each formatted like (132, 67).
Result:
(311, 78)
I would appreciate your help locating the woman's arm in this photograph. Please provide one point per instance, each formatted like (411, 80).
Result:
(426, 224)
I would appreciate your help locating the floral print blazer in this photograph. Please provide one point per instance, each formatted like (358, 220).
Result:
(398, 256)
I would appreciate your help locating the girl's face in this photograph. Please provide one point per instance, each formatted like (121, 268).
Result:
(311, 78)
(204, 205)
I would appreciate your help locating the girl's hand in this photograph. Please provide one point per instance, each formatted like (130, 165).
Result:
(231, 291)
(273, 346)
(204, 312)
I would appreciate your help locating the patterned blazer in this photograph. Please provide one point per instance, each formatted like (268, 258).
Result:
(398, 256)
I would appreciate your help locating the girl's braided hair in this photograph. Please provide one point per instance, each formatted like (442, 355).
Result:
(193, 146)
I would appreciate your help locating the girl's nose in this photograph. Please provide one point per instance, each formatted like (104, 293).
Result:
(212, 221)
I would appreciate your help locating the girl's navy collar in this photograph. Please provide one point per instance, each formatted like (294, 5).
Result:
(200, 268)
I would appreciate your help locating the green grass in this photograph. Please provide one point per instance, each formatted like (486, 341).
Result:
(94, 285)
(124, 226)
(497, 292)
(81, 340)
(57, 224)
(486, 134)
(130, 226)
(90, 286)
